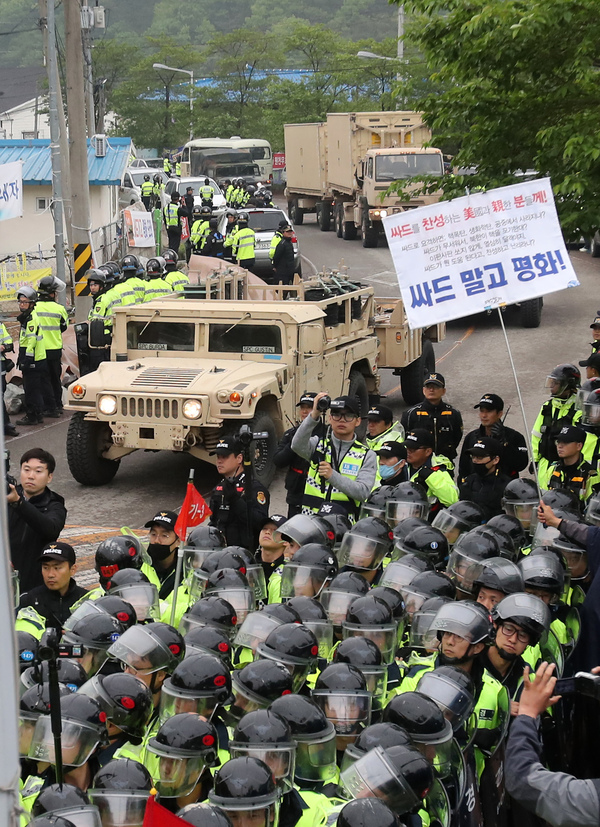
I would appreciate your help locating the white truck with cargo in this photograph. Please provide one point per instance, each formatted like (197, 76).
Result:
(185, 371)
(342, 168)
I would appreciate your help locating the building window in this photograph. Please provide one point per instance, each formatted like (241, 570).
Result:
(2, 134)
(42, 204)
(29, 136)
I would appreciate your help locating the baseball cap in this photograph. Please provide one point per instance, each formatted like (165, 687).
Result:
(276, 519)
(570, 433)
(58, 551)
(491, 400)
(225, 446)
(487, 446)
(419, 438)
(596, 322)
(349, 403)
(592, 361)
(435, 379)
(287, 229)
(307, 398)
(392, 449)
(163, 518)
(380, 412)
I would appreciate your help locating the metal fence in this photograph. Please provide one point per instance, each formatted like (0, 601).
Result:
(107, 242)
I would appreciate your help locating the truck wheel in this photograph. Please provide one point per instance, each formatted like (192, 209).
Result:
(348, 230)
(412, 376)
(86, 440)
(263, 450)
(323, 216)
(370, 234)
(358, 387)
(339, 219)
(531, 313)
(295, 212)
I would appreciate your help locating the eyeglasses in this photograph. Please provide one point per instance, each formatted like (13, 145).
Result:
(510, 631)
(347, 417)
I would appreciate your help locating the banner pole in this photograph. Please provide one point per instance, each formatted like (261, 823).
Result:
(179, 565)
(514, 371)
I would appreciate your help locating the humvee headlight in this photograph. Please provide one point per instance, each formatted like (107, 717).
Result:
(107, 405)
(192, 409)
(223, 396)
(236, 398)
(78, 391)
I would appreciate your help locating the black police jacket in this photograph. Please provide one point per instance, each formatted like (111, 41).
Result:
(514, 456)
(240, 519)
(443, 421)
(283, 259)
(297, 467)
(51, 605)
(32, 524)
(485, 491)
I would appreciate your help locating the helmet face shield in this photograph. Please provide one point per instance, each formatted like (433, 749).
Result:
(456, 703)
(360, 552)
(298, 671)
(255, 629)
(525, 512)
(384, 636)
(316, 756)
(450, 526)
(173, 702)
(323, 632)
(193, 558)
(257, 582)
(27, 722)
(592, 510)
(120, 808)
(349, 712)
(413, 600)
(242, 600)
(143, 597)
(421, 635)
(79, 740)
(463, 570)
(83, 816)
(244, 700)
(280, 758)
(544, 535)
(371, 510)
(93, 658)
(87, 608)
(245, 813)
(590, 414)
(438, 752)
(299, 580)
(398, 510)
(374, 776)
(397, 575)
(176, 775)
(336, 604)
(140, 651)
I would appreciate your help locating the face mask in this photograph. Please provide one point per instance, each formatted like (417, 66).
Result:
(386, 472)
(158, 552)
(480, 470)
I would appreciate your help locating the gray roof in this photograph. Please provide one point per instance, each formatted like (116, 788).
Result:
(19, 85)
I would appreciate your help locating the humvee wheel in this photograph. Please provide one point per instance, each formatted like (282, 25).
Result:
(358, 388)
(86, 440)
(263, 450)
(412, 376)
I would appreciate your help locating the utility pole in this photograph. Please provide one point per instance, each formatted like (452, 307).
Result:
(55, 155)
(80, 188)
(87, 20)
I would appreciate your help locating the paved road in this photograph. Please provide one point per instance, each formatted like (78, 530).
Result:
(473, 359)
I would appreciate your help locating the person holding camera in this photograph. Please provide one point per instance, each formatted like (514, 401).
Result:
(36, 515)
(297, 466)
(238, 510)
(342, 469)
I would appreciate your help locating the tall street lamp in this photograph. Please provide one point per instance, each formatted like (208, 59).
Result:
(185, 72)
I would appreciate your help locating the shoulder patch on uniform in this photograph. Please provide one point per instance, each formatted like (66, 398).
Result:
(261, 497)
(446, 413)
(486, 714)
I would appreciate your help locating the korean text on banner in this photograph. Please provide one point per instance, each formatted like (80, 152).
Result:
(139, 228)
(485, 250)
(11, 190)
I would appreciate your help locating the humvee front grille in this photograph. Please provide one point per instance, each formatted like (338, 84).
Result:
(166, 377)
(144, 407)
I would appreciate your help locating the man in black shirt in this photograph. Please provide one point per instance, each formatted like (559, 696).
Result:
(297, 466)
(162, 549)
(270, 551)
(513, 448)
(485, 484)
(441, 420)
(55, 598)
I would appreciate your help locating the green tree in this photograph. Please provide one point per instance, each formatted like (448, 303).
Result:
(517, 88)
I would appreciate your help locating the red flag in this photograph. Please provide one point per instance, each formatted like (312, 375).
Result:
(158, 816)
(193, 511)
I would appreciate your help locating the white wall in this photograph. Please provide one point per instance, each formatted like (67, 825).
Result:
(22, 119)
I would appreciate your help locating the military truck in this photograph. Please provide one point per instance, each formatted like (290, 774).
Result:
(185, 370)
(341, 169)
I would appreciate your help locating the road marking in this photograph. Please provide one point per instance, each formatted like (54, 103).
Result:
(37, 430)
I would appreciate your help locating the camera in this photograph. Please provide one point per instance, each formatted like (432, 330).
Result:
(584, 683)
(51, 648)
(246, 435)
(10, 480)
(324, 404)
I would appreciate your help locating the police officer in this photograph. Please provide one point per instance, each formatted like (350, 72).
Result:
(277, 236)
(270, 547)
(157, 189)
(147, 190)
(200, 228)
(132, 271)
(100, 283)
(558, 411)
(342, 469)
(174, 277)
(595, 328)
(513, 455)
(227, 188)
(32, 357)
(207, 193)
(54, 320)
(237, 511)
(178, 168)
(297, 466)
(243, 243)
(156, 286)
(441, 420)
(54, 599)
(433, 471)
(172, 215)
(162, 549)
(214, 244)
(382, 428)
(485, 483)
(591, 365)
(6, 346)
(167, 165)
(188, 200)
(284, 257)
(571, 471)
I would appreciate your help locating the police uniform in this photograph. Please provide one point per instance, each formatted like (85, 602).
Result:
(238, 516)
(172, 218)
(297, 466)
(580, 477)
(102, 308)
(513, 454)
(32, 361)
(54, 320)
(393, 433)
(554, 415)
(147, 190)
(435, 475)
(442, 421)
(198, 234)
(177, 280)
(488, 490)
(243, 247)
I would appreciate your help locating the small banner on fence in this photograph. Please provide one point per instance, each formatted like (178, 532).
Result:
(485, 250)
(11, 190)
(139, 228)
(279, 160)
(15, 274)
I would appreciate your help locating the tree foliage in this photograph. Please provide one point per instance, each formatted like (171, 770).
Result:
(517, 87)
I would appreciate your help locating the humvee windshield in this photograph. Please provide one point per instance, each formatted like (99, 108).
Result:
(244, 338)
(160, 335)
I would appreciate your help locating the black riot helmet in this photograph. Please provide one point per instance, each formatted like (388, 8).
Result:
(27, 646)
(394, 600)
(83, 726)
(407, 499)
(155, 267)
(48, 286)
(423, 719)
(458, 518)
(374, 505)
(235, 588)
(208, 640)
(188, 741)
(465, 619)
(122, 774)
(527, 611)
(337, 520)
(366, 812)
(206, 537)
(171, 258)
(371, 617)
(520, 500)
(366, 544)
(162, 647)
(404, 528)
(60, 799)
(96, 633)
(420, 634)
(465, 558)
(204, 677)
(400, 573)
(385, 735)
(505, 543)
(125, 699)
(257, 685)
(311, 567)
(35, 701)
(246, 785)
(293, 645)
(99, 276)
(210, 611)
(266, 735)
(358, 651)
(341, 676)
(427, 542)
(204, 815)
(511, 526)
(369, 610)
(561, 498)
(133, 586)
(70, 673)
(302, 529)
(337, 596)
(341, 690)
(453, 691)
(314, 734)
(117, 607)
(129, 263)
(563, 380)
(307, 608)
(543, 571)
(500, 575)
(425, 585)
(120, 552)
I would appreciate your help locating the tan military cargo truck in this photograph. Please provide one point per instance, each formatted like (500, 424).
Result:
(184, 371)
(341, 169)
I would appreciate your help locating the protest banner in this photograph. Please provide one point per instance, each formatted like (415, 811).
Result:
(11, 190)
(15, 274)
(139, 228)
(482, 251)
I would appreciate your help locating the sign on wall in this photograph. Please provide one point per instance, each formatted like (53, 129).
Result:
(139, 228)
(486, 250)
